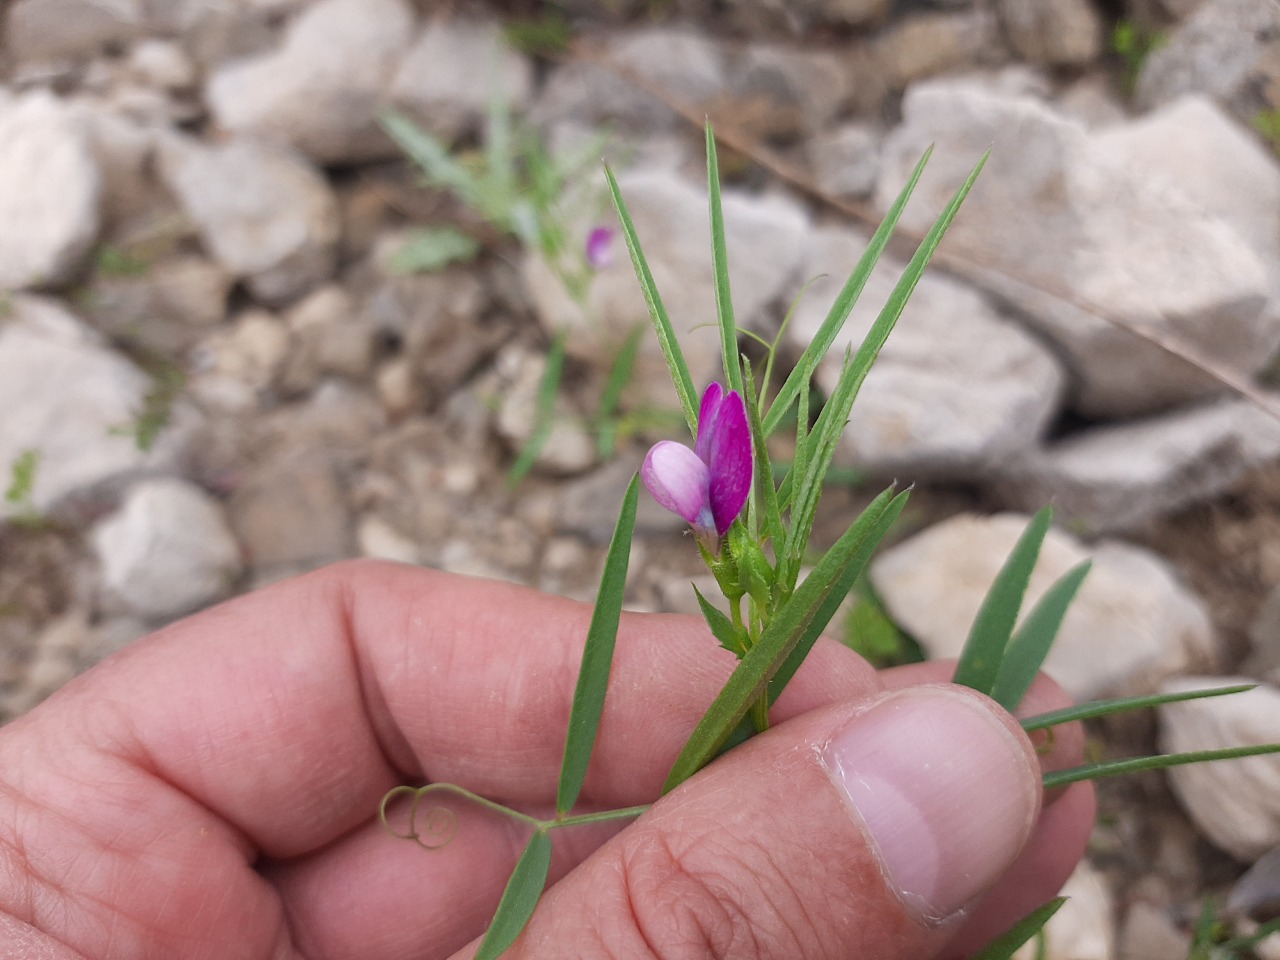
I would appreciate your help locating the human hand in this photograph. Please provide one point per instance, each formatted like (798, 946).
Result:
(211, 792)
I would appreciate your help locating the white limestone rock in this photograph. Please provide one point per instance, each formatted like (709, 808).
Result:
(262, 211)
(70, 398)
(167, 550)
(1117, 477)
(683, 63)
(50, 186)
(1226, 49)
(321, 90)
(1235, 803)
(1063, 33)
(957, 390)
(448, 78)
(1132, 623)
(1059, 230)
(1084, 927)
(51, 30)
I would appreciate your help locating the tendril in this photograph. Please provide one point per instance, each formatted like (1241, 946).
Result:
(433, 827)
(430, 827)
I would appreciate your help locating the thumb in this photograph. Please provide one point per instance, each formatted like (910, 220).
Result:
(863, 829)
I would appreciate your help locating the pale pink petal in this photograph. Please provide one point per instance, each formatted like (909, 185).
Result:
(678, 480)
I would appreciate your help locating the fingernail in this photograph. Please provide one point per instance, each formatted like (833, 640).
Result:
(945, 792)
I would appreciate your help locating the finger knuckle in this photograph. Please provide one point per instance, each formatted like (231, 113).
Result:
(704, 899)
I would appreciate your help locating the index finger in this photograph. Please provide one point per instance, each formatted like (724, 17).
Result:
(289, 712)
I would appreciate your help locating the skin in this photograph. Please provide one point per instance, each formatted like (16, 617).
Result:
(211, 791)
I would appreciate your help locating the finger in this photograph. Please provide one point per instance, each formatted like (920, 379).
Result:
(861, 829)
(290, 711)
(273, 724)
(1060, 835)
(1060, 748)
(1057, 843)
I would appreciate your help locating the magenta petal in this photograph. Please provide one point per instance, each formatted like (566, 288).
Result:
(600, 247)
(730, 461)
(711, 401)
(678, 480)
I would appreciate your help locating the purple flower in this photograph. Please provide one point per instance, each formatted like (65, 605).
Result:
(708, 485)
(600, 247)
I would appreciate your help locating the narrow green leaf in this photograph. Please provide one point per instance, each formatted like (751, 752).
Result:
(763, 484)
(597, 656)
(763, 661)
(984, 650)
(431, 155)
(843, 305)
(1101, 708)
(1004, 946)
(1030, 644)
(657, 312)
(433, 249)
(835, 414)
(544, 414)
(619, 376)
(720, 265)
(519, 898)
(851, 569)
(721, 626)
(1113, 768)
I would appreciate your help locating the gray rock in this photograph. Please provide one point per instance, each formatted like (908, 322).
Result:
(926, 44)
(568, 448)
(1235, 804)
(1201, 152)
(49, 191)
(1257, 893)
(800, 15)
(68, 397)
(1149, 933)
(289, 515)
(781, 92)
(327, 338)
(1063, 33)
(44, 30)
(234, 366)
(958, 389)
(1066, 235)
(764, 236)
(262, 211)
(1117, 477)
(1084, 928)
(846, 159)
(162, 64)
(320, 92)
(589, 505)
(167, 308)
(167, 551)
(1132, 623)
(453, 71)
(1229, 49)
(687, 65)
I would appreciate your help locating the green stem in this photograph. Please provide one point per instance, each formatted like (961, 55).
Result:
(603, 816)
(418, 793)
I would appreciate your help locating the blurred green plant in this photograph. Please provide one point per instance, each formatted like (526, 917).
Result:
(1218, 937)
(19, 495)
(546, 35)
(1267, 123)
(156, 410)
(521, 189)
(1134, 43)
